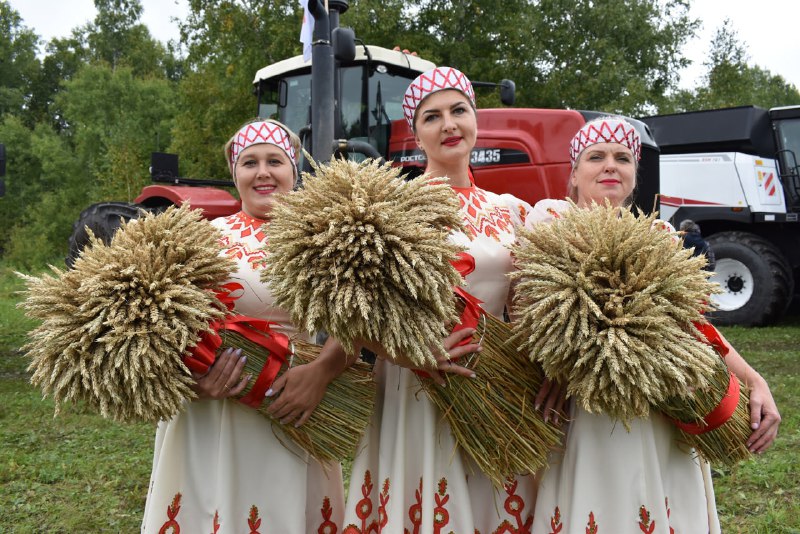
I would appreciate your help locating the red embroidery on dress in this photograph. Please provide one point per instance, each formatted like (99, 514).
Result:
(246, 225)
(383, 518)
(253, 521)
(441, 517)
(645, 524)
(216, 522)
(591, 526)
(172, 514)
(514, 505)
(415, 511)
(666, 504)
(364, 508)
(481, 217)
(555, 522)
(523, 213)
(327, 526)
(238, 248)
(554, 213)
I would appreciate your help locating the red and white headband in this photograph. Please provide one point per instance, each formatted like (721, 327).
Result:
(605, 130)
(432, 81)
(260, 132)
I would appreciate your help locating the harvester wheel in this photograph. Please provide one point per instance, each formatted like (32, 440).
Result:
(755, 277)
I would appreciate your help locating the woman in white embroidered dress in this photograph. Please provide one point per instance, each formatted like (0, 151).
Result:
(409, 476)
(220, 466)
(608, 480)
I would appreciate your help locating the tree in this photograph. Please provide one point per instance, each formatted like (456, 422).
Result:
(731, 81)
(18, 62)
(609, 55)
(227, 41)
(116, 121)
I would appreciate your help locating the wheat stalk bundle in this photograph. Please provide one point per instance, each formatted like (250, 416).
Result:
(365, 255)
(607, 305)
(117, 331)
(716, 420)
(114, 328)
(492, 416)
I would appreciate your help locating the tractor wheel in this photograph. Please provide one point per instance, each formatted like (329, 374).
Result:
(102, 219)
(755, 278)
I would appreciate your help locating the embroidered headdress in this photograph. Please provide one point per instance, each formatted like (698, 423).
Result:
(605, 130)
(260, 132)
(432, 81)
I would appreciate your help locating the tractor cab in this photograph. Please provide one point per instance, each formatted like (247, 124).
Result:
(368, 91)
(786, 127)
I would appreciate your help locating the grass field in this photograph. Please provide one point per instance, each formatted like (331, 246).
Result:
(78, 473)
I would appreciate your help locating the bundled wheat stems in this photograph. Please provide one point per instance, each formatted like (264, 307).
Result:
(364, 255)
(492, 416)
(608, 306)
(115, 330)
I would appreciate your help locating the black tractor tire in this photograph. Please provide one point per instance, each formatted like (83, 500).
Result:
(755, 277)
(102, 219)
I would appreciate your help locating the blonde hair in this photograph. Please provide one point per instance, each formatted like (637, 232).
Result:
(293, 139)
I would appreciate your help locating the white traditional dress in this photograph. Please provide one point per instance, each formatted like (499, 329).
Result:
(220, 467)
(607, 480)
(408, 475)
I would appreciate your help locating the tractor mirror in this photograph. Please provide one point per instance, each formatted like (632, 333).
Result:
(508, 90)
(344, 44)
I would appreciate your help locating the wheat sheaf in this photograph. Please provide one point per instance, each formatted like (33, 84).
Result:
(114, 328)
(606, 304)
(364, 255)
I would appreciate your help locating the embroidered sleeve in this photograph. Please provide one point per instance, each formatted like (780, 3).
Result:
(519, 209)
(546, 211)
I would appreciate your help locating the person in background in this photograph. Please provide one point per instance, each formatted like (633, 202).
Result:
(692, 238)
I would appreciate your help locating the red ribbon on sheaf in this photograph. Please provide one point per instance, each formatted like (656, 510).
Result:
(259, 331)
(718, 415)
(730, 400)
(713, 337)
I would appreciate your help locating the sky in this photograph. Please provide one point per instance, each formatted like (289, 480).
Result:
(768, 28)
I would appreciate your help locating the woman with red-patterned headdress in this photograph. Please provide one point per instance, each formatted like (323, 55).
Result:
(220, 466)
(608, 478)
(409, 474)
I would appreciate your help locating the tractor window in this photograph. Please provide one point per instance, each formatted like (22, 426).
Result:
(370, 122)
(296, 90)
(352, 115)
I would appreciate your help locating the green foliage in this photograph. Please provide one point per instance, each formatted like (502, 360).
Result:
(731, 81)
(115, 121)
(18, 59)
(227, 42)
(45, 194)
(616, 56)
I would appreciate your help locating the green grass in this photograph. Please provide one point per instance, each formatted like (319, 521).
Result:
(79, 473)
(763, 495)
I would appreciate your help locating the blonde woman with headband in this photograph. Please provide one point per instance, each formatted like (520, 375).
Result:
(409, 475)
(607, 479)
(220, 466)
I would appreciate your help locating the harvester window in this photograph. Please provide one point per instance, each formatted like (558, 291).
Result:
(789, 138)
